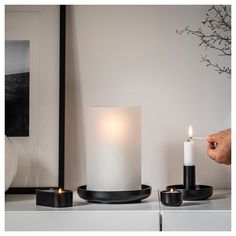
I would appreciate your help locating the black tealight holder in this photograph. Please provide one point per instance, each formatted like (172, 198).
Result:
(189, 189)
(171, 197)
(114, 197)
(54, 197)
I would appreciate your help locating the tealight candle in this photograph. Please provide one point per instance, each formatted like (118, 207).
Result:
(54, 197)
(171, 197)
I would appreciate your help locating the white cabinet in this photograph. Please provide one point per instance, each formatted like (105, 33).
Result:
(21, 213)
(213, 214)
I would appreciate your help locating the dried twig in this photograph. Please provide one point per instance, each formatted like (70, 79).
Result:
(215, 34)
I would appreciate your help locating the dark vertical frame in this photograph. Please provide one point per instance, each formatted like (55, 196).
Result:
(62, 68)
(61, 140)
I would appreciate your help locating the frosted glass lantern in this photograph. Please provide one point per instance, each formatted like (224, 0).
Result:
(113, 148)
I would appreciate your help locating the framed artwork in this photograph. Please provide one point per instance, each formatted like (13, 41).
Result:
(17, 88)
(35, 94)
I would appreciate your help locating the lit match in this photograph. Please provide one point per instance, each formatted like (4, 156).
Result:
(199, 138)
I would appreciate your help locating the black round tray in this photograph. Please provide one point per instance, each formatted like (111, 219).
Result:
(200, 192)
(107, 197)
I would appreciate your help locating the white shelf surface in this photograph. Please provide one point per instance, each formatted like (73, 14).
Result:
(21, 213)
(212, 214)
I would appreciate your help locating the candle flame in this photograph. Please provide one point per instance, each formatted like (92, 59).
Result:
(172, 190)
(60, 191)
(190, 131)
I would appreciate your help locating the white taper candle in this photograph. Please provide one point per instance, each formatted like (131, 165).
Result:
(188, 153)
(188, 149)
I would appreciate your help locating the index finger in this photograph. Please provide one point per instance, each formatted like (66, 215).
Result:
(212, 138)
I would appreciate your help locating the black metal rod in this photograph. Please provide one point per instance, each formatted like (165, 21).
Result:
(62, 65)
(189, 177)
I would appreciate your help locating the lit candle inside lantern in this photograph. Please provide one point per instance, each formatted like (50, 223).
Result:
(188, 149)
(113, 148)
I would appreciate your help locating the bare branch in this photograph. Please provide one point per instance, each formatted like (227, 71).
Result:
(215, 34)
(218, 68)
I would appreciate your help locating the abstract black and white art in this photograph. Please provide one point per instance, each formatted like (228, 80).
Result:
(17, 82)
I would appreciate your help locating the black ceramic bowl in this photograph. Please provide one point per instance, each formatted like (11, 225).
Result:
(109, 197)
(169, 198)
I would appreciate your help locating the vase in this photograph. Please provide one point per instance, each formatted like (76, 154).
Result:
(10, 163)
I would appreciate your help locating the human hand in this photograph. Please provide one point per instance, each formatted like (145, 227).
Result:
(219, 146)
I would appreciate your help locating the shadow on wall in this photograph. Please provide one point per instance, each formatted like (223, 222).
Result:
(206, 168)
(75, 166)
(174, 163)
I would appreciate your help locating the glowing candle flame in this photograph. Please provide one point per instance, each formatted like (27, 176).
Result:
(60, 191)
(190, 131)
(114, 127)
(171, 190)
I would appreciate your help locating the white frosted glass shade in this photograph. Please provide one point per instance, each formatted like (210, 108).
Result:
(113, 148)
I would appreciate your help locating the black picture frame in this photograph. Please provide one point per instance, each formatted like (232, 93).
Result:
(61, 141)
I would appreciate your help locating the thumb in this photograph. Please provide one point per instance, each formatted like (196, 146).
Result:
(211, 153)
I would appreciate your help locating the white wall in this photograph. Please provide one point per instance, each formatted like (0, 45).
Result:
(131, 55)
(38, 156)
(16, 57)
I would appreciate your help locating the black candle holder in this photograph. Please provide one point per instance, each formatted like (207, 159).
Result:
(54, 198)
(171, 197)
(190, 190)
